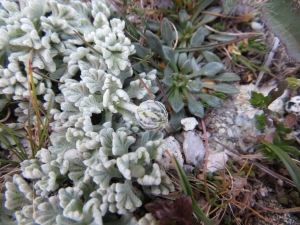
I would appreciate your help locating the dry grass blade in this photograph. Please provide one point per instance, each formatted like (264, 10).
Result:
(260, 166)
(210, 46)
(291, 210)
(7, 115)
(47, 77)
(165, 96)
(253, 211)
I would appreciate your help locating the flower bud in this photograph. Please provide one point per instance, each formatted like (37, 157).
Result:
(152, 115)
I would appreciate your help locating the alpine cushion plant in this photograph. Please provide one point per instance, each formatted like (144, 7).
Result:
(105, 132)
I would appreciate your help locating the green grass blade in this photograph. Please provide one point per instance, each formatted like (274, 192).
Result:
(9, 162)
(210, 46)
(291, 167)
(187, 190)
(199, 8)
(12, 148)
(18, 150)
(45, 130)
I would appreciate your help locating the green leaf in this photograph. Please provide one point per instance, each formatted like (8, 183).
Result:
(291, 167)
(9, 162)
(281, 17)
(167, 80)
(293, 82)
(194, 85)
(169, 55)
(260, 121)
(3, 103)
(198, 37)
(211, 68)
(187, 190)
(211, 100)
(141, 51)
(276, 140)
(221, 37)
(282, 130)
(195, 107)
(153, 25)
(183, 18)
(209, 17)
(211, 57)
(224, 77)
(176, 100)
(167, 32)
(186, 67)
(224, 88)
(294, 151)
(259, 100)
(154, 43)
(182, 58)
(228, 5)
(176, 118)
(199, 8)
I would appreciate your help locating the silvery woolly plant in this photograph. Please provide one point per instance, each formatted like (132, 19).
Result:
(105, 132)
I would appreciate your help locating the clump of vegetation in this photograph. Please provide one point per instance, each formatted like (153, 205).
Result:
(181, 48)
(278, 145)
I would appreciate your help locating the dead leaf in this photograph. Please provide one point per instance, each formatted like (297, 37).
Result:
(290, 120)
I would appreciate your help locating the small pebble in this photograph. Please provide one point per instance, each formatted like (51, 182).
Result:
(229, 133)
(293, 105)
(256, 25)
(189, 123)
(222, 131)
(280, 182)
(229, 120)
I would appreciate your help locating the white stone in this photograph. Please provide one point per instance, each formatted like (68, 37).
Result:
(189, 123)
(173, 146)
(188, 168)
(222, 131)
(229, 133)
(229, 121)
(216, 161)
(193, 148)
(293, 105)
(256, 25)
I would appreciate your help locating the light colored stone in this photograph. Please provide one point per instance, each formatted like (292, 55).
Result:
(169, 129)
(222, 131)
(188, 168)
(229, 121)
(208, 134)
(193, 148)
(173, 146)
(293, 105)
(189, 123)
(256, 25)
(179, 137)
(216, 161)
(229, 133)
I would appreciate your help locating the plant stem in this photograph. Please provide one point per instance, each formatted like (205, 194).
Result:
(128, 106)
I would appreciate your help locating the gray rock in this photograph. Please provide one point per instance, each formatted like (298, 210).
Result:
(216, 161)
(188, 168)
(173, 146)
(193, 148)
(189, 123)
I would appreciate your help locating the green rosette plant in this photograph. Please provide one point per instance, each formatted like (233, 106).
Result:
(191, 74)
